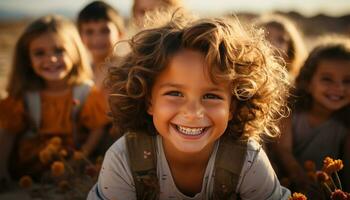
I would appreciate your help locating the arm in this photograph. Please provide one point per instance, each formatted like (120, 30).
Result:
(283, 149)
(115, 180)
(258, 181)
(92, 141)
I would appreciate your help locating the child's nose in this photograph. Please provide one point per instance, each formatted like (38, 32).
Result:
(53, 58)
(193, 110)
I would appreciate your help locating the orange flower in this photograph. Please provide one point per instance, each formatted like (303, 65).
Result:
(327, 160)
(25, 182)
(330, 166)
(52, 148)
(56, 141)
(339, 195)
(322, 176)
(45, 156)
(78, 155)
(297, 196)
(57, 168)
(309, 166)
(63, 153)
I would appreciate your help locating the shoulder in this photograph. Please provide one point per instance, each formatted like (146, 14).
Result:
(258, 179)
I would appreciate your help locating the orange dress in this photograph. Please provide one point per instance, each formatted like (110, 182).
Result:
(56, 120)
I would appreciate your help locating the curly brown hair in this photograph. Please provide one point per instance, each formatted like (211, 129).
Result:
(260, 84)
(333, 47)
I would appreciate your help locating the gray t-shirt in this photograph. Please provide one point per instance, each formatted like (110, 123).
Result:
(257, 180)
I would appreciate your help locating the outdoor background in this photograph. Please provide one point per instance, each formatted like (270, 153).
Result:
(313, 17)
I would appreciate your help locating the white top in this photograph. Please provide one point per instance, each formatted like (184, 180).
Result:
(257, 181)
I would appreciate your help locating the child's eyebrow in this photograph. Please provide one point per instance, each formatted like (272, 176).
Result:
(171, 85)
(174, 85)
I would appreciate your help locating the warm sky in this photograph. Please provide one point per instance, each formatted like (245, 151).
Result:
(15, 8)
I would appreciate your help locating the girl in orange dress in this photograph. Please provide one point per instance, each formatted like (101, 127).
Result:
(50, 94)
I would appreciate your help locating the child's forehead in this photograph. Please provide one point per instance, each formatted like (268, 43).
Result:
(192, 61)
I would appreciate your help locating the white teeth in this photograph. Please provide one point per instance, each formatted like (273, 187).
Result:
(189, 131)
(334, 98)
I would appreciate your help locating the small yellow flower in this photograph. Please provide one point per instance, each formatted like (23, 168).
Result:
(45, 156)
(63, 153)
(330, 166)
(297, 196)
(78, 155)
(56, 141)
(57, 168)
(25, 182)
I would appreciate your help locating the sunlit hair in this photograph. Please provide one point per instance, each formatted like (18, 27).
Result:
(100, 10)
(259, 83)
(23, 77)
(327, 48)
(159, 5)
(296, 48)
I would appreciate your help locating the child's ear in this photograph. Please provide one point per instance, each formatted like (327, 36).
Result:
(149, 107)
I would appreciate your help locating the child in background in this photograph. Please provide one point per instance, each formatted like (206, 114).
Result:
(286, 38)
(192, 88)
(319, 124)
(50, 76)
(100, 27)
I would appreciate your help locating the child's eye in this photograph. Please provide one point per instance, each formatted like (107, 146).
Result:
(326, 79)
(39, 53)
(346, 81)
(88, 32)
(105, 30)
(211, 96)
(174, 93)
(59, 51)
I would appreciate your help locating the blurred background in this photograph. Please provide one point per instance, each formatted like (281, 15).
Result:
(313, 17)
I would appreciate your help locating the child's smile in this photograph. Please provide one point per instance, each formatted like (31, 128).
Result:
(189, 110)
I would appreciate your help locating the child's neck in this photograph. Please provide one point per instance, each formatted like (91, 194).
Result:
(188, 169)
(56, 87)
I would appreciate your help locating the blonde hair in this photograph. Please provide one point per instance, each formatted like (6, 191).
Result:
(260, 85)
(23, 77)
(296, 48)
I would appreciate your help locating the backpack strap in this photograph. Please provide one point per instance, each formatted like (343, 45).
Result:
(80, 94)
(143, 163)
(32, 102)
(228, 165)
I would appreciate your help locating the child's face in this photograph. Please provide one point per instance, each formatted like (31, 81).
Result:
(99, 37)
(189, 111)
(49, 58)
(330, 85)
(279, 39)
